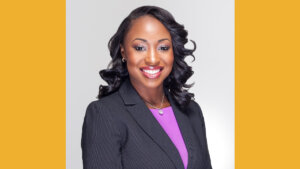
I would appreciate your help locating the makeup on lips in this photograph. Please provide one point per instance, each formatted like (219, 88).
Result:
(151, 72)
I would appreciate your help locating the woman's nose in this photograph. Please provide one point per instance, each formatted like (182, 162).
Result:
(152, 58)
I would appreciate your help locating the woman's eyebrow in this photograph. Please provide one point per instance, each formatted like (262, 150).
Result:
(144, 40)
(163, 39)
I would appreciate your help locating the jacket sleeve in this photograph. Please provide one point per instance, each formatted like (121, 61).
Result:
(101, 139)
(204, 140)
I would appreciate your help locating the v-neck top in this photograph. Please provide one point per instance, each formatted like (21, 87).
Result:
(169, 123)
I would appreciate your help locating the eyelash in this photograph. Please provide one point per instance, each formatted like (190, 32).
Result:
(139, 48)
(164, 48)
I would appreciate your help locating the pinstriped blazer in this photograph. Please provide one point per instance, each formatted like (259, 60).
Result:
(119, 132)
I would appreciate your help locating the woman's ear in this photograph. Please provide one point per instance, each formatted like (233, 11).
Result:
(122, 50)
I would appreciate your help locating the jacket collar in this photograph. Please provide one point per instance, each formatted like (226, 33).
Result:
(143, 116)
(129, 94)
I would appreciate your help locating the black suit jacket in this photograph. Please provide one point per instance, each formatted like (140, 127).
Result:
(120, 132)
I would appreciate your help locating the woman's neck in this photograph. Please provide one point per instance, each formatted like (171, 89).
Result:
(153, 96)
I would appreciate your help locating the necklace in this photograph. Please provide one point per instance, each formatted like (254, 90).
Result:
(160, 111)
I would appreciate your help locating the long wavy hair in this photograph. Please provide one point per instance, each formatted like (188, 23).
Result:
(116, 73)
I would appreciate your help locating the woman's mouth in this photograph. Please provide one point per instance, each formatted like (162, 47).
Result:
(152, 72)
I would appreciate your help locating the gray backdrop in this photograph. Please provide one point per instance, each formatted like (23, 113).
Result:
(91, 23)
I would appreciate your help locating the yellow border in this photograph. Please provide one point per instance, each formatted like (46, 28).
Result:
(32, 68)
(267, 84)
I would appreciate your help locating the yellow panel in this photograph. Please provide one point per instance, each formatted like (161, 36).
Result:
(32, 88)
(267, 84)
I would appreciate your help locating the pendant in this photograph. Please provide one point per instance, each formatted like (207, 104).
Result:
(160, 111)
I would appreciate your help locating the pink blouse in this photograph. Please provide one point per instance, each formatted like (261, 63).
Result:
(168, 122)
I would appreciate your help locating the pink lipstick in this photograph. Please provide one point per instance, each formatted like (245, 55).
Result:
(151, 72)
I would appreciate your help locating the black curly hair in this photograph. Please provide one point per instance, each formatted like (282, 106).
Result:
(116, 73)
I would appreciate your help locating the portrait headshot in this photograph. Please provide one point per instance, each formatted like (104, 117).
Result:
(150, 85)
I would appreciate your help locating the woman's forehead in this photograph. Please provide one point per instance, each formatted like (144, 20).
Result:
(147, 27)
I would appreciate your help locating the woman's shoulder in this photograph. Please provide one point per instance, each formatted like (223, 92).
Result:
(194, 109)
(193, 105)
(109, 100)
(111, 106)
(107, 108)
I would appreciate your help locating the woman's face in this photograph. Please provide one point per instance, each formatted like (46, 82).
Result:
(148, 51)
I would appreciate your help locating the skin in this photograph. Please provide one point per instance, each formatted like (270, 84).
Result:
(148, 44)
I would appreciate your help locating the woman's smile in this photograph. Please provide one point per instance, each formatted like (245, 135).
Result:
(151, 72)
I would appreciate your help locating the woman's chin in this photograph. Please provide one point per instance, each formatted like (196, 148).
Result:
(151, 83)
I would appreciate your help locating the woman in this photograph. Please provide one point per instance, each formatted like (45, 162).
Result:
(145, 118)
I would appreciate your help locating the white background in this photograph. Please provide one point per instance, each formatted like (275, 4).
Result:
(91, 23)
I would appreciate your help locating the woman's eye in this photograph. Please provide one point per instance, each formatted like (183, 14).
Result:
(164, 48)
(139, 48)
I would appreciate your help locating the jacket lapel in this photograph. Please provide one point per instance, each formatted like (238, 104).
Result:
(186, 132)
(148, 123)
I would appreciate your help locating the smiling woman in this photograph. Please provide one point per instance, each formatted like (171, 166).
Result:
(145, 117)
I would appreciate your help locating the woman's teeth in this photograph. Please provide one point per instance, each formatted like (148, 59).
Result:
(151, 71)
